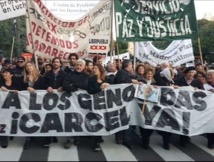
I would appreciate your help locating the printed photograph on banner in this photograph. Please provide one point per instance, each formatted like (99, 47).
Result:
(147, 92)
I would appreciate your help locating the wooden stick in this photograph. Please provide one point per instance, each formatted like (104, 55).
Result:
(143, 107)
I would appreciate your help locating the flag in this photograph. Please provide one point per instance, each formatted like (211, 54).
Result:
(14, 27)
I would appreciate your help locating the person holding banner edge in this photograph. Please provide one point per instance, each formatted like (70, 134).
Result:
(96, 84)
(54, 80)
(7, 84)
(73, 81)
(32, 81)
(188, 80)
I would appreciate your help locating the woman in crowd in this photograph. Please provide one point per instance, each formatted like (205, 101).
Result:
(97, 83)
(139, 72)
(7, 84)
(33, 81)
(147, 78)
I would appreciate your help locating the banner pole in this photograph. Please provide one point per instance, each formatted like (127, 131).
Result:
(118, 56)
(11, 54)
(200, 52)
(134, 56)
(112, 41)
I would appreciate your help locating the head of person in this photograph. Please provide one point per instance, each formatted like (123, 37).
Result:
(127, 65)
(140, 69)
(164, 65)
(99, 71)
(40, 60)
(80, 65)
(97, 59)
(210, 76)
(112, 67)
(57, 63)
(89, 65)
(189, 72)
(30, 70)
(73, 57)
(149, 73)
(7, 74)
(21, 61)
(201, 77)
(48, 67)
(7, 63)
(199, 67)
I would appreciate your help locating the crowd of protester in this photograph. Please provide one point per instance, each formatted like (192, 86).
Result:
(92, 76)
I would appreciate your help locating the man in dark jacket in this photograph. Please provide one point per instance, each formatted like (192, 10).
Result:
(18, 73)
(54, 80)
(73, 81)
(124, 76)
(73, 57)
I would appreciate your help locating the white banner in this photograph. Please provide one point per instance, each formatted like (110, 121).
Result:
(181, 111)
(11, 8)
(67, 10)
(49, 36)
(177, 53)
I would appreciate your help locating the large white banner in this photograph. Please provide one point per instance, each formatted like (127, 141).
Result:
(177, 53)
(181, 111)
(49, 36)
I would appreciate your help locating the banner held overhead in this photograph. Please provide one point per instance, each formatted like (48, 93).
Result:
(146, 20)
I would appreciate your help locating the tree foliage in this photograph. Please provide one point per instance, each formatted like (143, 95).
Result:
(205, 30)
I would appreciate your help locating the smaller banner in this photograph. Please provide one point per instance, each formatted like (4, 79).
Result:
(98, 45)
(177, 53)
(148, 20)
(12, 8)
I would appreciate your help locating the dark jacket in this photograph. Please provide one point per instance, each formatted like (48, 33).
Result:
(18, 77)
(161, 81)
(123, 76)
(38, 85)
(75, 80)
(94, 86)
(68, 69)
(54, 81)
(182, 82)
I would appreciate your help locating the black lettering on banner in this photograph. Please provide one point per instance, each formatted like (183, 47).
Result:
(64, 98)
(124, 119)
(33, 105)
(52, 122)
(114, 97)
(111, 120)
(196, 98)
(186, 120)
(2, 128)
(128, 93)
(30, 118)
(46, 101)
(168, 118)
(85, 101)
(11, 100)
(73, 121)
(14, 123)
(184, 100)
(168, 97)
(149, 115)
(99, 101)
(95, 118)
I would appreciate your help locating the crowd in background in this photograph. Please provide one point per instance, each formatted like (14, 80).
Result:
(91, 75)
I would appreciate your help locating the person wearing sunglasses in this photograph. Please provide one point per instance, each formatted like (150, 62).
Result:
(18, 72)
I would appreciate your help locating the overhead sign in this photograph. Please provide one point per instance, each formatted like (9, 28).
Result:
(146, 20)
(49, 36)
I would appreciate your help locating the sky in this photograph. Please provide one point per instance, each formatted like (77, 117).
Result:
(204, 6)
